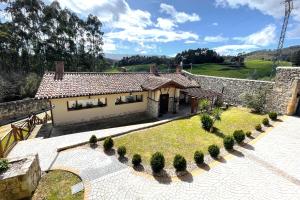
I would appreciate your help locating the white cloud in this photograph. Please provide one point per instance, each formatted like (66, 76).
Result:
(166, 24)
(294, 33)
(109, 45)
(179, 17)
(273, 8)
(234, 49)
(218, 38)
(190, 41)
(215, 24)
(264, 37)
(134, 25)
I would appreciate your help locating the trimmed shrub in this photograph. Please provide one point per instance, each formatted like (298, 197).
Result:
(273, 116)
(228, 142)
(248, 133)
(179, 163)
(239, 136)
(199, 157)
(207, 122)
(266, 122)
(136, 159)
(214, 151)
(121, 151)
(157, 162)
(108, 143)
(258, 127)
(93, 139)
(3, 165)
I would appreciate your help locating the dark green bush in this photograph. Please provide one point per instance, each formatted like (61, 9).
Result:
(228, 142)
(136, 159)
(121, 151)
(214, 151)
(273, 116)
(93, 139)
(3, 165)
(258, 127)
(157, 162)
(239, 136)
(248, 133)
(266, 122)
(199, 157)
(108, 143)
(207, 122)
(179, 163)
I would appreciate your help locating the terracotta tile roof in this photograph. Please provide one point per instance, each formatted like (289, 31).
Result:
(156, 82)
(84, 84)
(201, 93)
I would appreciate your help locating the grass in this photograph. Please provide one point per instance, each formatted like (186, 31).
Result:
(257, 69)
(254, 69)
(185, 136)
(57, 185)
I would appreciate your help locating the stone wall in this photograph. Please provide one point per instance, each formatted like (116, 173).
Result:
(232, 88)
(282, 95)
(152, 108)
(21, 179)
(19, 109)
(285, 95)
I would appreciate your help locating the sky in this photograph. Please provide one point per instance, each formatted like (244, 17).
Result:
(156, 27)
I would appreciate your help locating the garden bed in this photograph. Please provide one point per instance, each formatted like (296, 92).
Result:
(185, 136)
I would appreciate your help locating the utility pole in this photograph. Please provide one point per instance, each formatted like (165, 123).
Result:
(288, 10)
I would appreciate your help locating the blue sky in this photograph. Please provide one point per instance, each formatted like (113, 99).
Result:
(155, 27)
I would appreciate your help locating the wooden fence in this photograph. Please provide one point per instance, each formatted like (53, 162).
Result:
(20, 131)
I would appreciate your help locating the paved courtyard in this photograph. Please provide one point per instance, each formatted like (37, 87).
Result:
(267, 168)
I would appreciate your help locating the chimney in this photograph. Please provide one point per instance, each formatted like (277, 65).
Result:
(59, 70)
(153, 69)
(178, 69)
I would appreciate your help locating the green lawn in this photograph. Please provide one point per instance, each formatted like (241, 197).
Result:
(185, 136)
(260, 68)
(57, 185)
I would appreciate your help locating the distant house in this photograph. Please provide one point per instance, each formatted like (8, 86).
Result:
(82, 96)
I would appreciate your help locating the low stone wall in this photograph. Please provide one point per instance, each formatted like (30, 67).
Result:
(19, 109)
(21, 180)
(232, 88)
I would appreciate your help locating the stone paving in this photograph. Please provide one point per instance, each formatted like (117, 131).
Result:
(268, 169)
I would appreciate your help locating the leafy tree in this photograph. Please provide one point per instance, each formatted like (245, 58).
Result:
(256, 101)
(31, 85)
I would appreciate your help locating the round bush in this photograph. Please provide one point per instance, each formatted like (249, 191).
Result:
(258, 127)
(273, 116)
(228, 142)
(136, 159)
(248, 133)
(93, 139)
(214, 151)
(157, 162)
(207, 122)
(3, 165)
(266, 122)
(121, 151)
(239, 136)
(179, 163)
(108, 143)
(199, 157)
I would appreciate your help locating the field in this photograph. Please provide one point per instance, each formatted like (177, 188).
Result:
(185, 136)
(254, 69)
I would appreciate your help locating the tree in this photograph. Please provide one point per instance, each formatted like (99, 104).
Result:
(296, 58)
(256, 101)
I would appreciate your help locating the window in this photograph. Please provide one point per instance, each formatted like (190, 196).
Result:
(86, 103)
(129, 99)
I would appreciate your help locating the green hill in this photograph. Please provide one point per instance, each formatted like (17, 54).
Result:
(254, 69)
